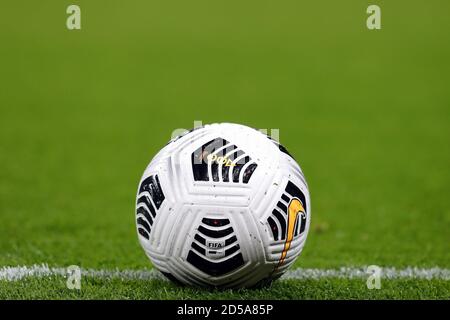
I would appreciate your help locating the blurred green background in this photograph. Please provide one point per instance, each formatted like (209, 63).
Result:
(366, 114)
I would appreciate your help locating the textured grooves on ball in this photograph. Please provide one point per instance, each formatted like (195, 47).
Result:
(221, 161)
(220, 232)
(150, 197)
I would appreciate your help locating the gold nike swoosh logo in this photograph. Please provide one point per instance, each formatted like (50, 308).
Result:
(295, 207)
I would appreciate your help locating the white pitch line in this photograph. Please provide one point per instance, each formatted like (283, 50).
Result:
(361, 272)
(40, 271)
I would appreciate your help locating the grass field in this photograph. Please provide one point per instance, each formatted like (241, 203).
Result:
(366, 113)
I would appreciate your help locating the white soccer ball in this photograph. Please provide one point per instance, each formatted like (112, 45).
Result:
(223, 205)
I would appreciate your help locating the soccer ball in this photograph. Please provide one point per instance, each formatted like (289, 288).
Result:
(223, 205)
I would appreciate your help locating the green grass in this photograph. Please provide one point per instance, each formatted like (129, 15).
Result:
(55, 288)
(366, 113)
